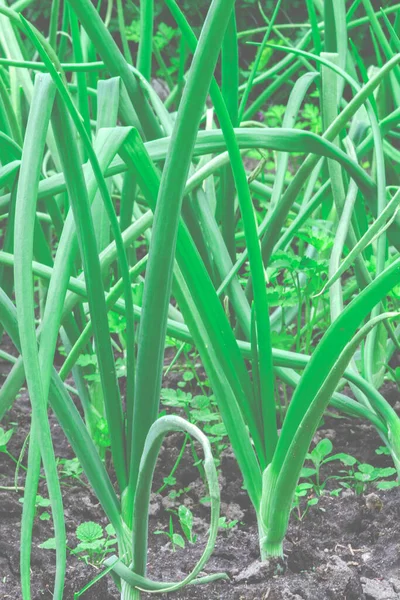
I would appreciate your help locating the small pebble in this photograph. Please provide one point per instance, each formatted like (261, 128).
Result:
(373, 502)
(366, 557)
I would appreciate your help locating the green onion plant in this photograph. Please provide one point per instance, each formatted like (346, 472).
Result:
(92, 160)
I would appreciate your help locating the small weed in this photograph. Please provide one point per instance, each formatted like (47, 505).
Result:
(357, 477)
(175, 538)
(185, 519)
(40, 504)
(94, 542)
(226, 525)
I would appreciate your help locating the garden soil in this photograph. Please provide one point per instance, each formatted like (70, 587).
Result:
(345, 548)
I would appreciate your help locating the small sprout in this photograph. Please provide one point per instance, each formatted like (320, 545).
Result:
(89, 532)
(368, 474)
(206, 500)
(170, 480)
(175, 398)
(224, 524)
(93, 545)
(40, 503)
(356, 477)
(173, 494)
(383, 450)
(303, 490)
(49, 544)
(187, 377)
(321, 451)
(101, 434)
(186, 521)
(319, 456)
(387, 485)
(71, 467)
(175, 538)
(218, 430)
(275, 114)
(5, 437)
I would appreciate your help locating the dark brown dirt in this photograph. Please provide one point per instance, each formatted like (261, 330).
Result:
(341, 550)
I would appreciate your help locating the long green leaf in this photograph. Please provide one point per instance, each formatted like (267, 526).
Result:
(24, 229)
(165, 228)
